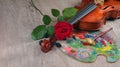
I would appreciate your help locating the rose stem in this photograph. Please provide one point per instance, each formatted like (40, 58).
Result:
(32, 3)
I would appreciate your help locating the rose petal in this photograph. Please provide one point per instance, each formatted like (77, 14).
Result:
(62, 30)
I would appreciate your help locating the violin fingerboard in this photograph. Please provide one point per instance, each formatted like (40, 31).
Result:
(87, 9)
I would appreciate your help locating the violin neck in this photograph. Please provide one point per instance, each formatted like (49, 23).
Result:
(87, 9)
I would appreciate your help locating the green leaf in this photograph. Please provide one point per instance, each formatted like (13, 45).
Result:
(61, 18)
(69, 12)
(46, 19)
(55, 12)
(50, 30)
(38, 32)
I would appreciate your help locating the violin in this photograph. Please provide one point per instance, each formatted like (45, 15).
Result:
(97, 18)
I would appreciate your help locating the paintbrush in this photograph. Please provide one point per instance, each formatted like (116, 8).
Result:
(101, 34)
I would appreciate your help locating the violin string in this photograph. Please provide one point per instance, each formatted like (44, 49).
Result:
(78, 14)
(82, 13)
(85, 11)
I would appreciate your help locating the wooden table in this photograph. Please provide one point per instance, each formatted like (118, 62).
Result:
(17, 49)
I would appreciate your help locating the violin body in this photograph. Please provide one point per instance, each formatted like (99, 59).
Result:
(97, 18)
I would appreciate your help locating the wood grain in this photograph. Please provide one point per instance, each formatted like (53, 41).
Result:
(17, 49)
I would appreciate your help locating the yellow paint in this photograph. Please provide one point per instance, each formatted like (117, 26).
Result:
(106, 48)
(89, 41)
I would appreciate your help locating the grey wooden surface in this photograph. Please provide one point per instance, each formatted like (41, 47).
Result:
(17, 49)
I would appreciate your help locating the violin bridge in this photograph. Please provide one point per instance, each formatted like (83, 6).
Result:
(101, 2)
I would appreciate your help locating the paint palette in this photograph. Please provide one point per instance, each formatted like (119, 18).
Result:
(78, 48)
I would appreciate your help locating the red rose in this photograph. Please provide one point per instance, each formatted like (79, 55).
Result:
(62, 30)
